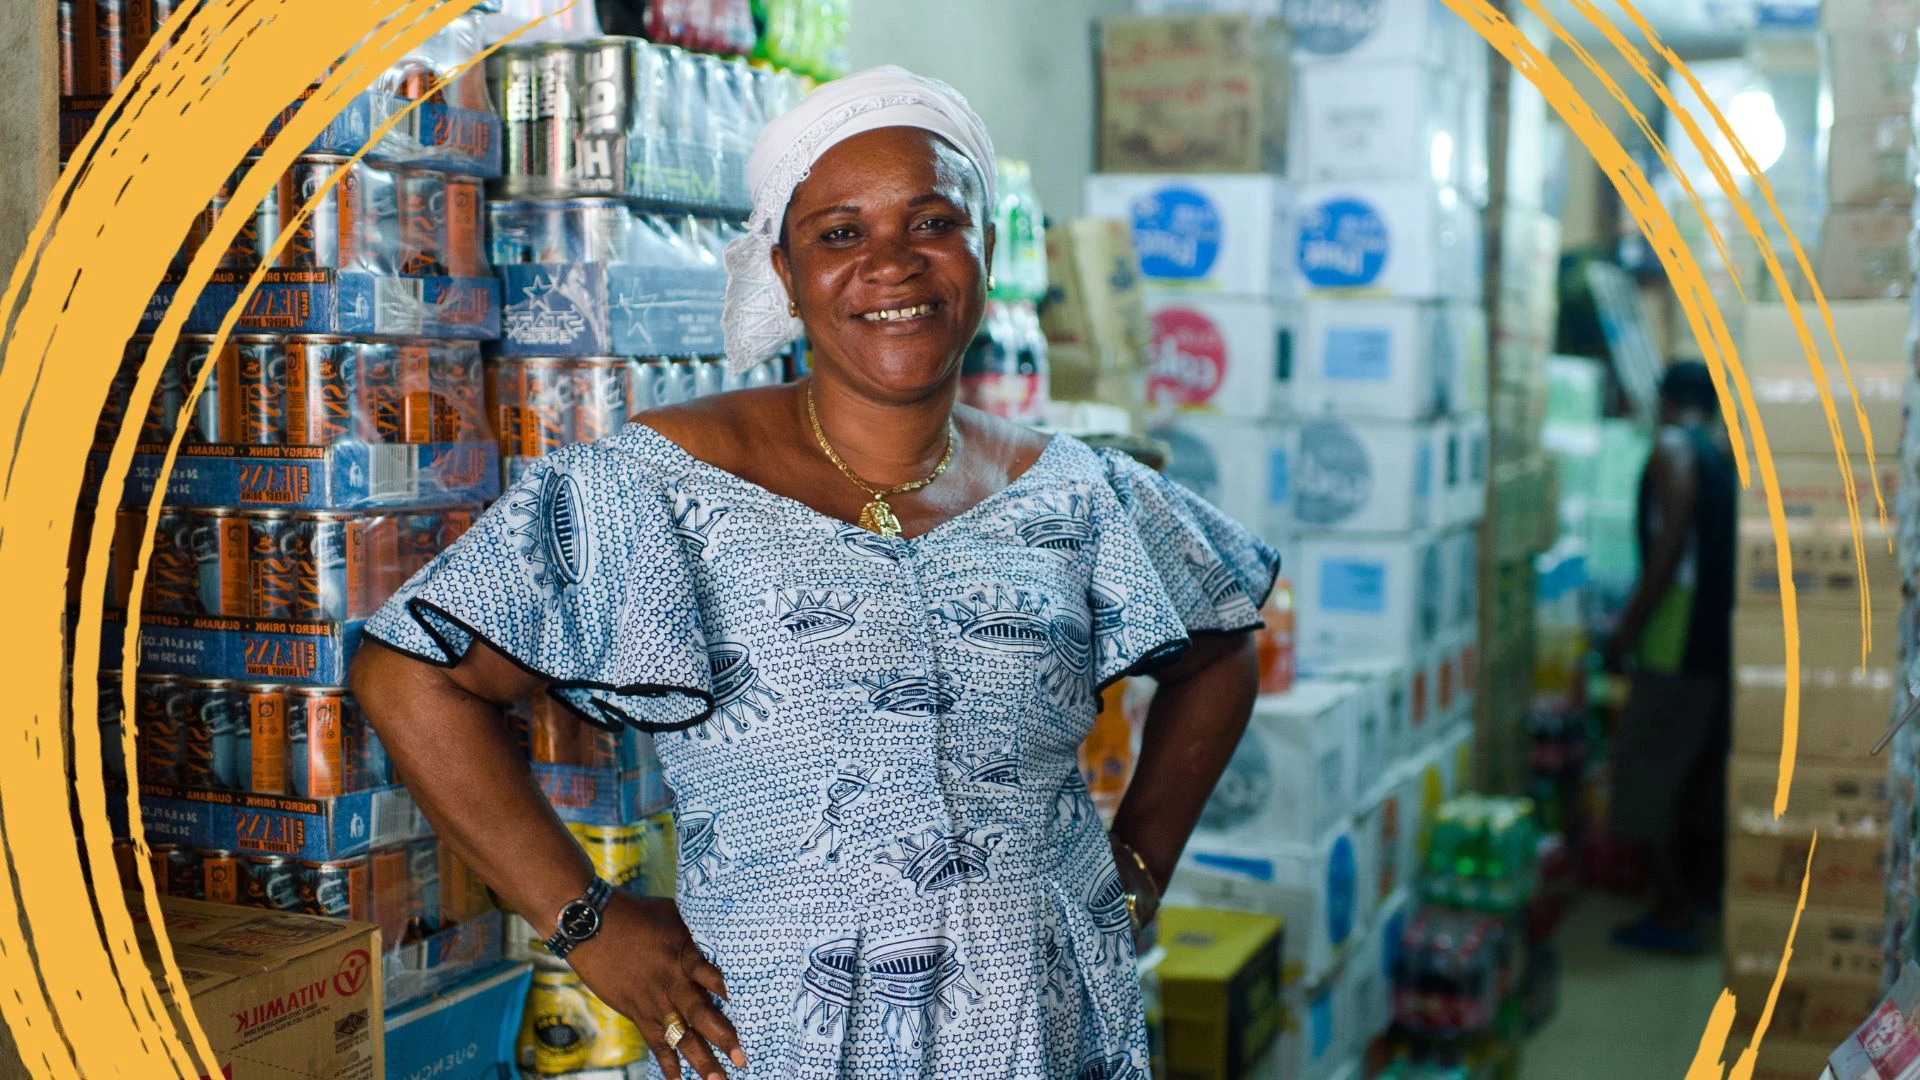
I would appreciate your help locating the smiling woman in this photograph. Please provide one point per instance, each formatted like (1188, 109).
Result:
(889, 863)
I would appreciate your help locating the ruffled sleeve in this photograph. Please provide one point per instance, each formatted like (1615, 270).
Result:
(574, 574)
(1167, 566)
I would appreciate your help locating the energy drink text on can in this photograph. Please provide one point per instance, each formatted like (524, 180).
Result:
(322, 388)
(157, 727)
(271, 567)
(199, 702)
(316, 741)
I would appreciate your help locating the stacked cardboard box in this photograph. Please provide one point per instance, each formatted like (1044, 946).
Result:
(1522, 257)
(1870, 56)
(1839, 791)
(1319, 372)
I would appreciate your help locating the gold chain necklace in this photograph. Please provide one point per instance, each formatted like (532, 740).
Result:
(877, 516)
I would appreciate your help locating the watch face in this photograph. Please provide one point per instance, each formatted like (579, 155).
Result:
(579, 920)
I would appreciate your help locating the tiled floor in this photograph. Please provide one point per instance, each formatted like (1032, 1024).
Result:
(1621, 1014)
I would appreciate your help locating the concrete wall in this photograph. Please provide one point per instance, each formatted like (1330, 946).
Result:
(28, 132)
(1025, 65)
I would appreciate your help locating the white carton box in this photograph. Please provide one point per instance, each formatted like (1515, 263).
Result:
(1315, 1043)
(1363, 597)
(1216, 354)
(1354, 31)
(1384, 358)
(1292, 778)
(1314, 887)
(1382, 690)
(1244, 467)
(1373, 476)
(1394, 683)
(1214, 232)
(1412, 241)
(1394, 121)
(1374, 965)
(1385, 821)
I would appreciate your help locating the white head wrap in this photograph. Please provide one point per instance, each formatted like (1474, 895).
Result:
(755, 317)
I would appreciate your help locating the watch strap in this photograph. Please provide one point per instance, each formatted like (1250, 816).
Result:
(599, 891)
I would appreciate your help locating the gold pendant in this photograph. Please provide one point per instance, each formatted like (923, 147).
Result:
(877, 517)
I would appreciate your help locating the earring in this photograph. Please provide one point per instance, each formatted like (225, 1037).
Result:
(793, 309)
(989, 282)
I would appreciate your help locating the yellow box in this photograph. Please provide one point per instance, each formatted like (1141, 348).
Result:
(1219, 990)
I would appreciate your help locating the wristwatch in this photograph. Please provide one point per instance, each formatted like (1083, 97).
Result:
(580, 919)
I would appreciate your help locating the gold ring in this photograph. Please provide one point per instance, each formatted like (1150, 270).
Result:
(676, 1030)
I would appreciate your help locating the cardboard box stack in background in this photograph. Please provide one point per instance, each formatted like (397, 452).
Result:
(1839, 789)
(1318, 370)
(1869, 60)
(1522, 238)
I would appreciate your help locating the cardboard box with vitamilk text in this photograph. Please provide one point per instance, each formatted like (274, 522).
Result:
(280, 996)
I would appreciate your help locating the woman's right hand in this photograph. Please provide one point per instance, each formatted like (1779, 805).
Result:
(644, 964)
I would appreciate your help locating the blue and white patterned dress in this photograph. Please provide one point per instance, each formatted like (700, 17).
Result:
(884, 840)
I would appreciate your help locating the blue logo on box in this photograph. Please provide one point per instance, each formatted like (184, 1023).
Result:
(1343, 244)
(1176, 231)
(1332, 27)
(1342, 874)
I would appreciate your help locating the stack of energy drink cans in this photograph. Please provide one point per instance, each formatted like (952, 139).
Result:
(624, 181)
(317, 472)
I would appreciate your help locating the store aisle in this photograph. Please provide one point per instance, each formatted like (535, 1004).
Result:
(1621, 1014)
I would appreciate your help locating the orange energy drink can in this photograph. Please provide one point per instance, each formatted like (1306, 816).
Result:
(220, 877)
(462, 895)
(266, 731)
(261, 229)
(270, 569)
(413, 374)
(532, 405)
(335, 579)
(193, 355)
(316, 741)
(173, 586)
(321, 391)
(466, 207)
(271, 881)
(253, 392)
(387, 871)
(157, 737)
(176, 872)
(339, 889)
(380, 402)
(422, 197)
(199, 701)
(459, 388)
(109, 43)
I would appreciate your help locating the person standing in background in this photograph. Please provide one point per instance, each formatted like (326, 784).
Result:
(1674, 735)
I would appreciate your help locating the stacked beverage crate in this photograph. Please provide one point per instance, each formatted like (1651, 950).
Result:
(1317, 371)
(337, 443)
(624, 179)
